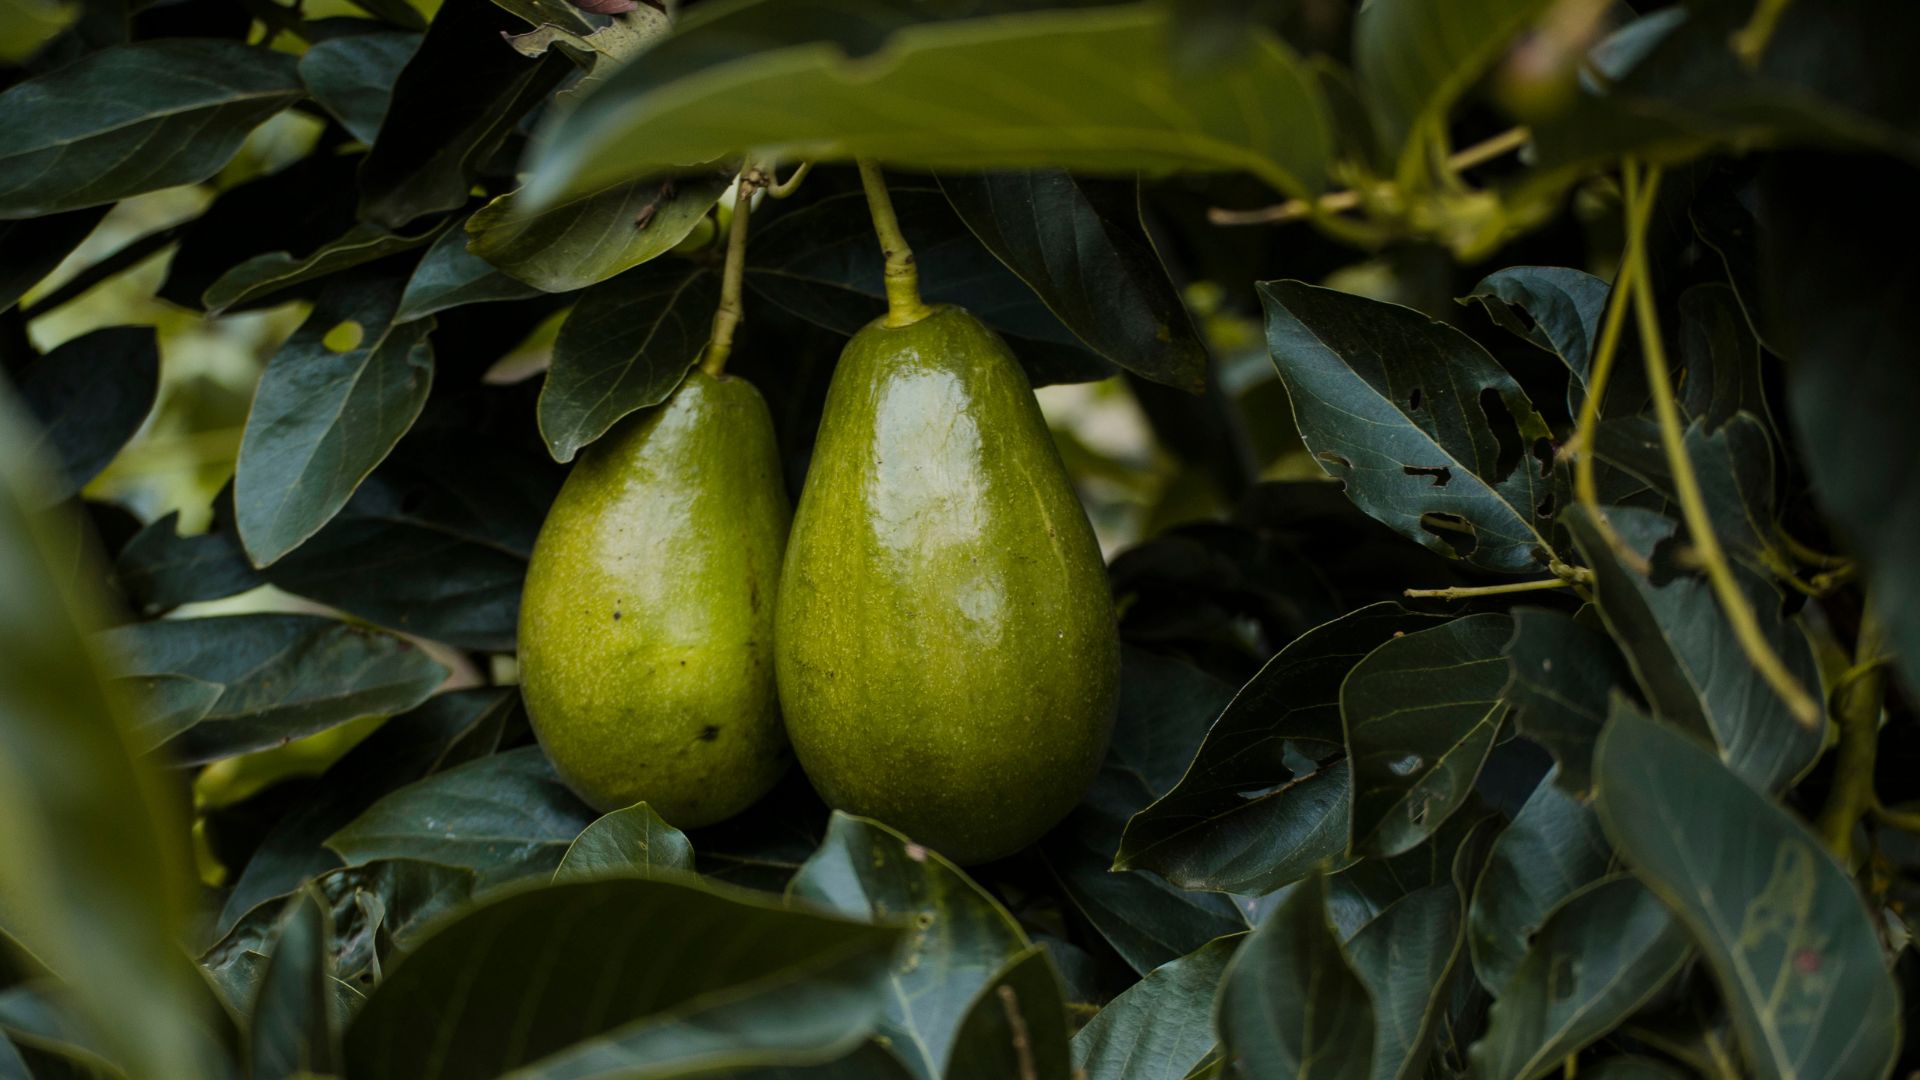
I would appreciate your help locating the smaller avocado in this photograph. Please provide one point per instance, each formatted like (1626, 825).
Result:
(646, 624)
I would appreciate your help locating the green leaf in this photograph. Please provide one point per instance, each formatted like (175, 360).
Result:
(1421, 714)
(33, 248)
(1405, 957)
(1553, 848)
(1733, 464)
(158, 570)
(1426, 431)
(1684, 653)
(504, 817)
(1721, 357)
(267, 275)
(132, 119)
(1161, 1026)
(626, 346)
(453, 105)
(1561, 673)
(958, 935)
(278, 677)
(26, 25)
(1240, 820)
(294, 1028)
(1594, 962)
(41, 1015)
(1094, 89)
(327, 410)
(1557, 308)
(352, 77)
(821, 264)
(1165, 706)
(91, 860)
(590, 238)
(1796, 955)
(1415, 60)
(632, 841)
(1081, 246)
(1016, 1026)
(450, 276)
(623, 977)
(88, 398)
(1290, 1004)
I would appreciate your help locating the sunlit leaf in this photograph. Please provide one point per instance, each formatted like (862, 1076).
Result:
(588, 239)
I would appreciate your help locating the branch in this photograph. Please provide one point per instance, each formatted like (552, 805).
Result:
(1339, 201)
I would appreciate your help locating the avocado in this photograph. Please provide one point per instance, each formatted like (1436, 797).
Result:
(947, 655)
(646, 625)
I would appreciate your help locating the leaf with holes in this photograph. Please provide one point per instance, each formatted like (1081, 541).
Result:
(1781, 925)
(633, 841)
(1421, 715)
(626, 346)
(327, 410)
(1685, 656)
(623, 976)
(586, 240)
(1557, 308)
(270, 678)
(1561, 672)
(1290, 1004)
(1241, 819)
(134, 118)
(88, 397)
(1161, 1026)
(1093, 89)
(1427, 432)
(958, 935)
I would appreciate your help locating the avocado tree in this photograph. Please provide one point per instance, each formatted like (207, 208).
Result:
(1449, 610)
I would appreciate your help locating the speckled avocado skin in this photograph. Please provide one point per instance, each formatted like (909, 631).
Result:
(947, 654)
(646, 627)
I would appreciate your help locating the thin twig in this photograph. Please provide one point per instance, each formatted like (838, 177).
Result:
(1856, 701)
(727, 316)
(1339, 201)
(904, 306)
(1022, 1043)
(1460, 591)
(791, 184)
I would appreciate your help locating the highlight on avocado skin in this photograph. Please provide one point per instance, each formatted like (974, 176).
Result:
(948, 661)
(646, 627)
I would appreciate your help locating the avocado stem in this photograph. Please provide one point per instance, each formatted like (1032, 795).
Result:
(726, 317)
(904, 306)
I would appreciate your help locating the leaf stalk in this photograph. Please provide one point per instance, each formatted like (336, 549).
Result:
(904, 306)
(727, 317)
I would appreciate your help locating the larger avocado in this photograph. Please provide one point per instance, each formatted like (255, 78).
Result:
(947, 655)
(646, 626)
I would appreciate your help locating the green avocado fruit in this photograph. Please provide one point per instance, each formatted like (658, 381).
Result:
(947, 654)
(646, 626)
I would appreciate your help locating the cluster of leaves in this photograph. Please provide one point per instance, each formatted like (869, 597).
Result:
(1337, 833)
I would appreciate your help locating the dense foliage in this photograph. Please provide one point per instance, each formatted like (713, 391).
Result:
(1624, 395)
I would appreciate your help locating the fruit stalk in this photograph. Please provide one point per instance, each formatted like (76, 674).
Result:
(904, 306)
(726, 317)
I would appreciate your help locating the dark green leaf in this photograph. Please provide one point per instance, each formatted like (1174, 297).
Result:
(1361, 893)
(1290, 1005)
(504, 817)
(299, 208)
(1421, 714)
(1081, 246)
(159, 569)
(1093, 89)
(294, 1028)
(1427, 432)
(1240, 820)
(1162, 1025)
(1415, 60)
(1595, 960)
(31, 249)
(1165, 706)
(1555, 307)
(958, 938)
(623, 977)
(591, 238)
(1016, 1026)
(1685, 655)
(88, 397)
(447, 730)
(1561, 673)
(132, 119)
(91, 860)
(449, 276)
(352, 77)
(1721, 357)
(1405, 957)
(41, 1015)
(631, 842)
(626, 346)
(1733, 464)
(1553, 848)
(279, 677)
(822, 264)
(1795, 953)
(266, 275)
(326, 412)
(454, 103)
